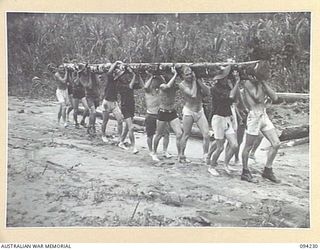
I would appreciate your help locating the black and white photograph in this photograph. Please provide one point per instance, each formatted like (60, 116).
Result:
(158, 120)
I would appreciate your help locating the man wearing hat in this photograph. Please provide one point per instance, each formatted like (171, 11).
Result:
(223, 121)
(255, 91)
(193, 111)
(109, 103)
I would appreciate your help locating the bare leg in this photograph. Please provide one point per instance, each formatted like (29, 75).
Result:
(212, 148)
(149, 142)
(273, 138)
(204, 129)
(86, 110)
(59, 112)
(159, 133)
(230, 149)
(105, 117)
(161, 125)
(250, 139)
(124, 131)
(187, 126)
(70, 108)
(176, 127)
(217, 151)
(75, 111)
(255, 146)
(240, 135)
(166, 139)
(92, 118)
(246, 175)
(63, 112)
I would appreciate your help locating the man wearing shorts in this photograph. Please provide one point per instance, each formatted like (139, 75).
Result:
(152, 97)
(79, 95)
(109, 103)
(223, 122)
(168, 115)
(90, 82)
(126, 92)
(255, 91)
(61, 77)
(193, 112)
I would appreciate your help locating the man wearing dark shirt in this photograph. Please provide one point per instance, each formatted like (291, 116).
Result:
(223, 123)
(110, 103)
(126, 92)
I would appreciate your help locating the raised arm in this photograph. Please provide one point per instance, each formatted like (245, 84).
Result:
(113, 66)
(235, 90)
(133, 80)
(147, 84)
(171, 82)
(187, 91)
(269, 91)
(205, 89)
(62, 79)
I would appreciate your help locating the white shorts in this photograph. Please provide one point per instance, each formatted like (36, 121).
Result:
(195, 115)
(222, 126)
(258, 121)
(113, 107)
(62, 96)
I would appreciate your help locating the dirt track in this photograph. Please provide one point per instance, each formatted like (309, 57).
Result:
(62, 178)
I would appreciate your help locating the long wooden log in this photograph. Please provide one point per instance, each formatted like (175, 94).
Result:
(292, 97)
(295, 132)
(204, 69)
(295, 142)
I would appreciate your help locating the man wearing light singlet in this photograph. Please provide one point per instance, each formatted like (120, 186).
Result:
(152, 97)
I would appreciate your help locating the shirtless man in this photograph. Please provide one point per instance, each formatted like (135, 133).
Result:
(255, 91)
(90, 82)
(109, 103)
(223, 123)
(152, 97)
(193, 112)
(61, 77)
(77, 97)
(167, 114)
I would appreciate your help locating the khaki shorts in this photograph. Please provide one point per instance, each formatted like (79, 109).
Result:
(258, 121)
(195, 115)
(113, 107)
(62, 96)
(222, 126)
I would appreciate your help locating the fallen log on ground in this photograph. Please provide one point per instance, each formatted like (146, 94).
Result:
(292, 97)
(295, 142)
(295, 132)
(204, 69)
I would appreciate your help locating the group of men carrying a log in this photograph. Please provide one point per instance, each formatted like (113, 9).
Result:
(236, 104)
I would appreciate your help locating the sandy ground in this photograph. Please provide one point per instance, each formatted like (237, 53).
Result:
(60, 177)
